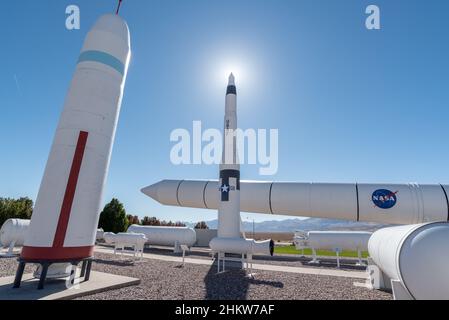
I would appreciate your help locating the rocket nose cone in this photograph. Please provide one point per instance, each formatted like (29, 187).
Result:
(151, 191)
(114, 24)
(231, 81)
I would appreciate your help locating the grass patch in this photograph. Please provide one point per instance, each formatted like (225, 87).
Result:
(308, 252)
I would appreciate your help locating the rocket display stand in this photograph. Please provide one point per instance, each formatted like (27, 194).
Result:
(85, 270)
(246, 260)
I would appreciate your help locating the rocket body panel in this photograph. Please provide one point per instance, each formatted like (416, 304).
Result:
(229, 155)
(211, 196)
(311, 199)
(191, 193)
(407, 203)
(67, 208)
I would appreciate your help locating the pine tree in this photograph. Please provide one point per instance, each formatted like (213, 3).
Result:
(113, 217)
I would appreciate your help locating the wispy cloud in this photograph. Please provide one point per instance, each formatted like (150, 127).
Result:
(17, 84)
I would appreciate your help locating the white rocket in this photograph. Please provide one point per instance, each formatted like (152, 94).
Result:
(229, 238)
(65, 218)
(229, 183)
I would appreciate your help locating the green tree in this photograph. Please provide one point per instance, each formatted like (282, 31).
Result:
(150, 221)
(132, 219)
(21, 208)
(201, 225)
(113, 217)
(153, 221)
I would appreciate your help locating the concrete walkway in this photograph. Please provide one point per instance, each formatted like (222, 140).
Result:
(265, 267)
(58, 289)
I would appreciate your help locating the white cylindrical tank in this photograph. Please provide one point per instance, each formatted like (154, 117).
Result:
(66, 214)
(166, 236)
(415, 255)
(125, 238)
(338, 240)
(242, 246)
(14, 231)
(382, 203)
(100, 234)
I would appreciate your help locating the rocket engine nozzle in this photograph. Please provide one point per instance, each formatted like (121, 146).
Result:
(271, 247)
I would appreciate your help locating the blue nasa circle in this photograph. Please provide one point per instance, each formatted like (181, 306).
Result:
(384, 199)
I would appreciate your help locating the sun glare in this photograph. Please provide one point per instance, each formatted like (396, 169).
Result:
(226, 70)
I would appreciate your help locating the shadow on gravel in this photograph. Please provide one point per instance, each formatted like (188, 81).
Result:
(332, 264)
(232, 284)
(345, 264)
(119, 263)
(169, 252)
(9, 257)
(276, 284)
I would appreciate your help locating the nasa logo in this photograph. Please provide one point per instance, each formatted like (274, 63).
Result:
(384, 199)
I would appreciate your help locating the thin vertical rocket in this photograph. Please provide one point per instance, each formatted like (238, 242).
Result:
(229, 206)
(229, 236)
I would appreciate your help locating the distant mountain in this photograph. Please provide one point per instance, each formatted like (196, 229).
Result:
(309, 224)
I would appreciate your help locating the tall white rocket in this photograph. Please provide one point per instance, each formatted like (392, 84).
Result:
(229, 206)
(229, 237)
(66, 214)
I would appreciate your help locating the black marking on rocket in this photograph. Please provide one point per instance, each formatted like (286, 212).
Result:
(177, 193)
(447, 200)
(204, 195)
(224, 178)
(269, 197)
(231, 90)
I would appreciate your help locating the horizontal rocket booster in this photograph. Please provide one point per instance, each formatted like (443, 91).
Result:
(382, 203)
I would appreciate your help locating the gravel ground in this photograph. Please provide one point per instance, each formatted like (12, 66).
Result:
(167, 281)
(8, 267)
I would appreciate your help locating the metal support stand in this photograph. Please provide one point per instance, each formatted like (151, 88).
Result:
(19, 274)
(359, 256)
(89, 266)
(221, 257)
(314, 258)
(246, 260)
(338, 258)
(43, 276)
(249, 265)
(85, 270)
(184, 248)
(11, 249)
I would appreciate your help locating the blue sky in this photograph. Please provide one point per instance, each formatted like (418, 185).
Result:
(350, 104)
